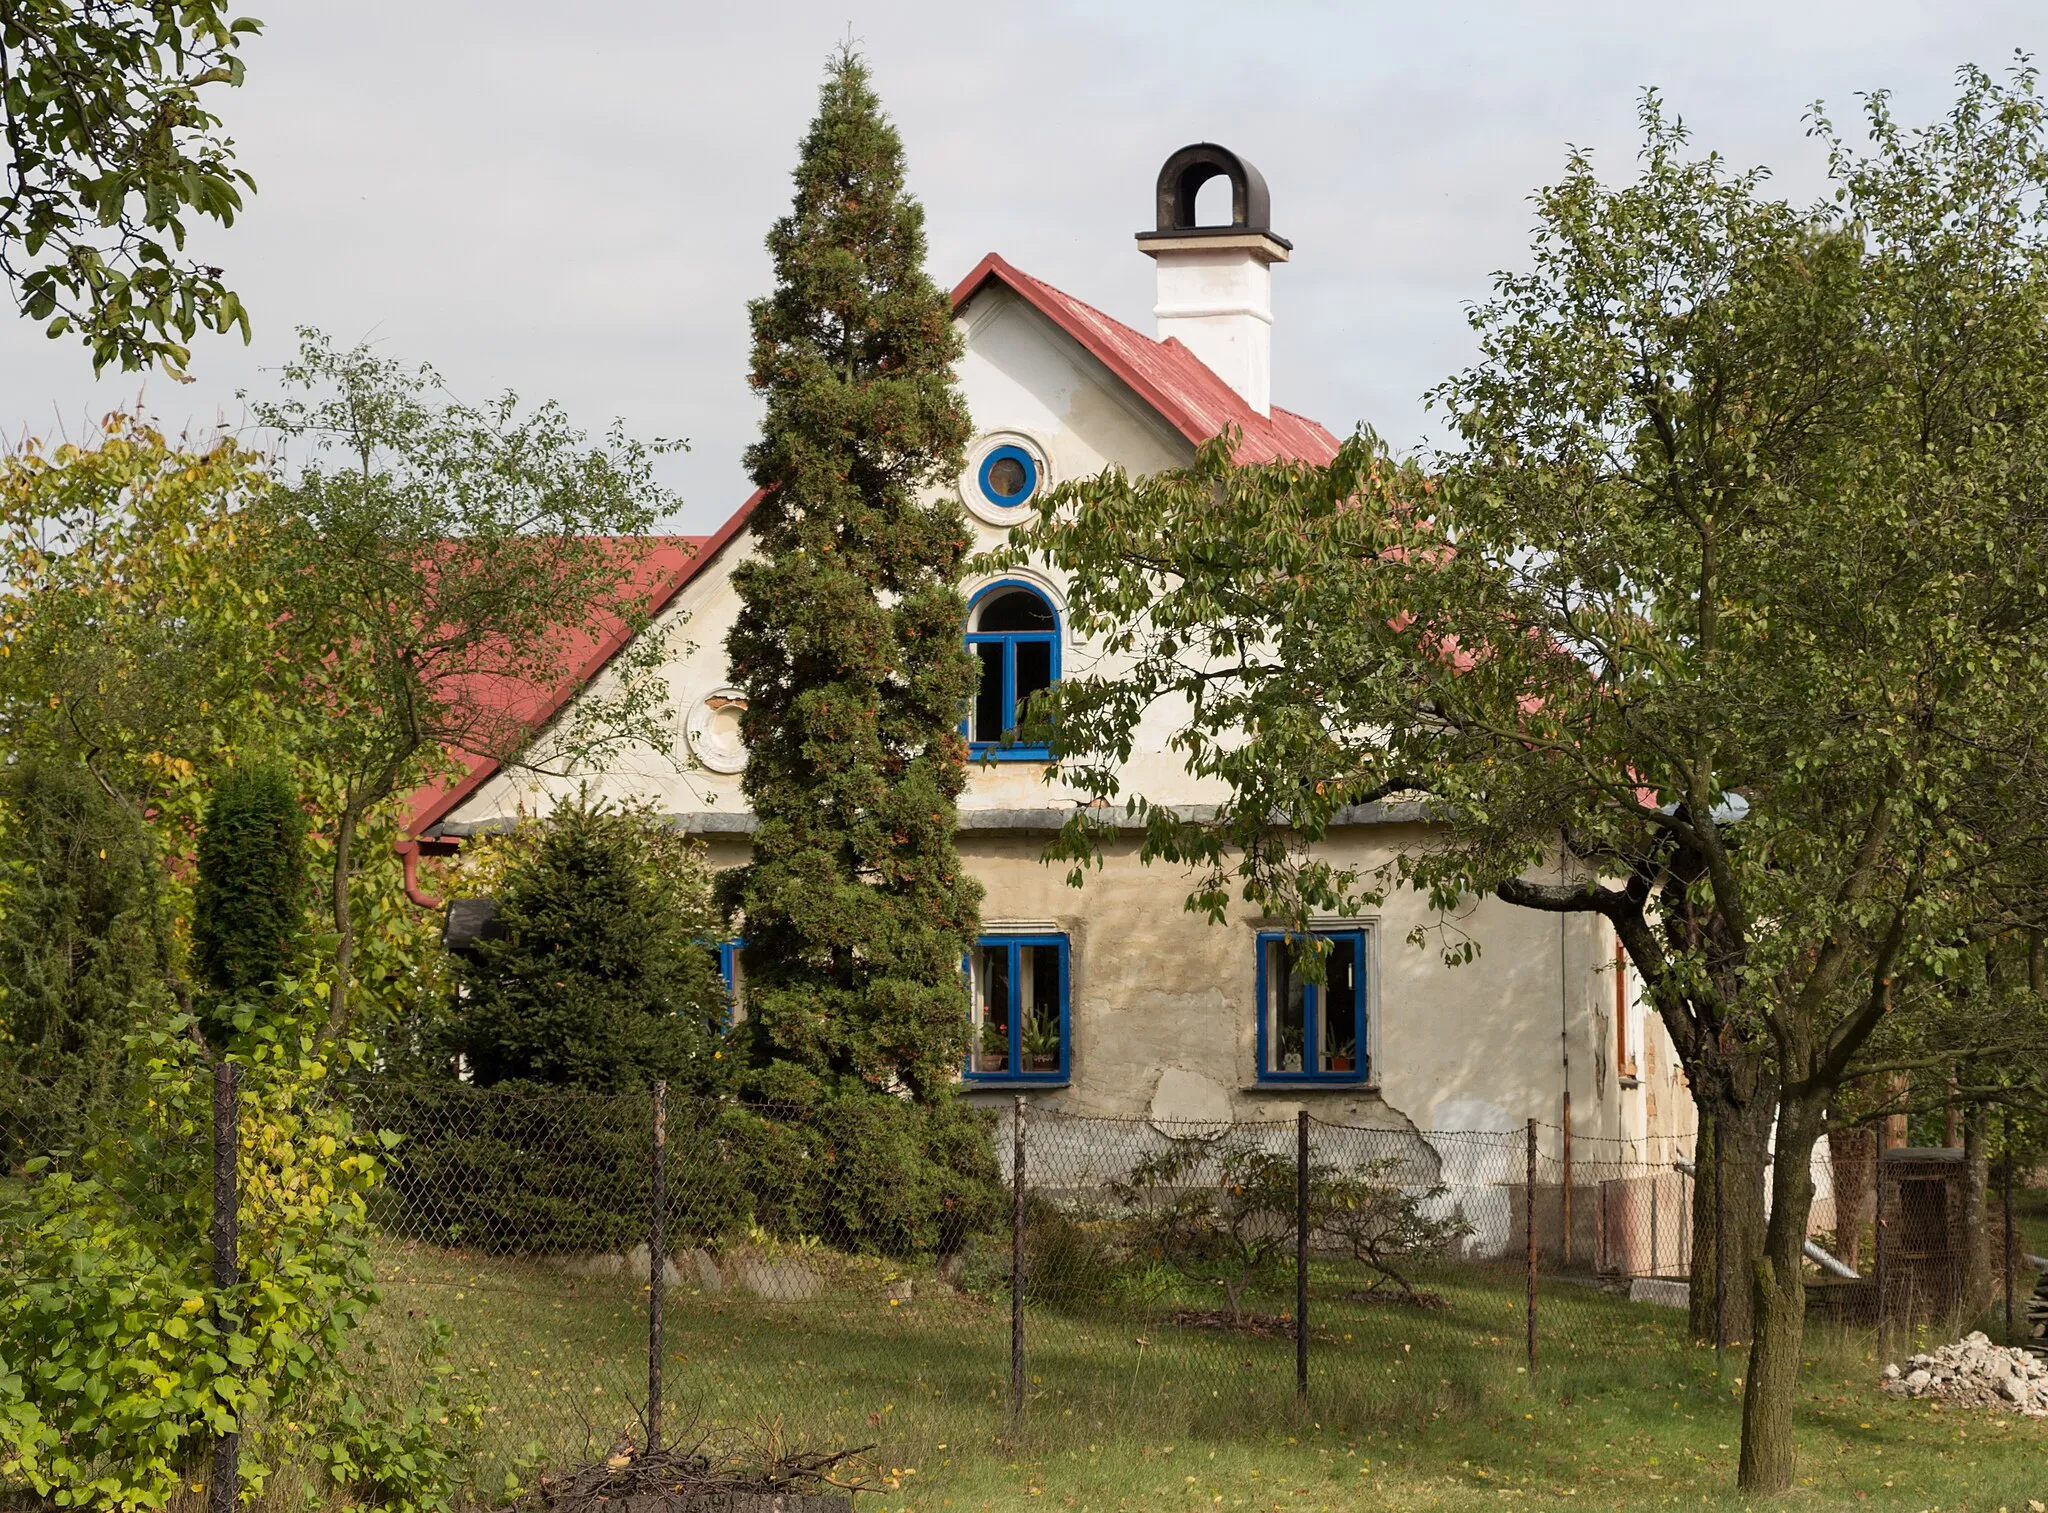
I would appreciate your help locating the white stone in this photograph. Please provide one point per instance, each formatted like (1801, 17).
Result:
(636, 1266)
(701, 1268)
(1665, 1292)
(603, 1264)
(779, 1281)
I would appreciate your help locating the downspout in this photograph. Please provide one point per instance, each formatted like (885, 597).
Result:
(409, 855)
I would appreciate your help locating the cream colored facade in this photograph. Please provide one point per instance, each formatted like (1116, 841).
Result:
(1161, 1013)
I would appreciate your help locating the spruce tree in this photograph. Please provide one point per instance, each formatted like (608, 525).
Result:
(598, 977)
(848, 644)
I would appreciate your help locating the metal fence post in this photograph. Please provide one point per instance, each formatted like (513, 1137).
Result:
(657, 1263)
(1720, 1253)
(1529, 1224)
(2005, 1256)
(1017, 1261)
(223, 1489)
(1301, 1254)
(1656, 1178)
(1565, 1189)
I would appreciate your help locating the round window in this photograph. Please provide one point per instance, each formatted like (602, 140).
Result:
(1009, 475)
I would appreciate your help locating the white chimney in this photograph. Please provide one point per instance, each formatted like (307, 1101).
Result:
(1216, 282)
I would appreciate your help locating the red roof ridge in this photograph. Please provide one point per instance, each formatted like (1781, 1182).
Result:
(1165, 374)
(433, 802)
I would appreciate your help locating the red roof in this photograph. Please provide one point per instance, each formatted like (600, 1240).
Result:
(1166, 375)
(660, 572)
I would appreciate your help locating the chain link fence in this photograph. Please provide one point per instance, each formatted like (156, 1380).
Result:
(1197, 1279)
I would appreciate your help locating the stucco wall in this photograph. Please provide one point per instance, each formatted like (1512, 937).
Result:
(1159, 993)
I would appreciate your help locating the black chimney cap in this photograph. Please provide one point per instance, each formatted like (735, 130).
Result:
(1182, 177)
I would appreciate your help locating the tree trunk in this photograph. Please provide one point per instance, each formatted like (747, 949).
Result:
(1852, 1154)
(1895, 1128)
(1778, 1283)
(1745, 1136)
(344, 921)
(1982, 1238)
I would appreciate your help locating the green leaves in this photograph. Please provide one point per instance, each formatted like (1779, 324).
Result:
(127, 1369)
(435, 564)
(109, 147)
(1269, 609)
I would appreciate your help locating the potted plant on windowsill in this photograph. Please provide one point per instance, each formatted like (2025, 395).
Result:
(1041, 1044)
(994, 1055)
(1343, 1062)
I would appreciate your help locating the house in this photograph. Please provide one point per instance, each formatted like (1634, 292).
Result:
(1112, 998)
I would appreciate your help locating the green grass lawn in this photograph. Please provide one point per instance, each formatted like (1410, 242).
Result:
(1407, 1409)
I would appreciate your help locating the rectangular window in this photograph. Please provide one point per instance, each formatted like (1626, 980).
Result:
(1018, 1028)
(1313, 1030)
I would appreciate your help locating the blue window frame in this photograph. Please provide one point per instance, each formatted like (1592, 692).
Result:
(1017, 1009)
(1314, 1031)
(1008, 477)
(1014, 633)
(729, 968)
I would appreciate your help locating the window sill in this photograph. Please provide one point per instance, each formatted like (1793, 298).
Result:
(1309, 1085)
(1000, 1084)
(1008, 754)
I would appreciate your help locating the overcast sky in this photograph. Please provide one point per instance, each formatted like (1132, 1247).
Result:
(570, 201)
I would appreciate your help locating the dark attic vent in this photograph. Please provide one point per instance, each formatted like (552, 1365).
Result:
(1181, 178)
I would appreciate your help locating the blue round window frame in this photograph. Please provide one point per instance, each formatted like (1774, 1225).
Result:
(1023, 459)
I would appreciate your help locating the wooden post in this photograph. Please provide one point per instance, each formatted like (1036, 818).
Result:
(1017, 1262)
(1720, 1253)
(1529, 1223)
(1877, 1233)
(223, 1489)
(1301, 1254)
(2005, 1255)
(657, 1263)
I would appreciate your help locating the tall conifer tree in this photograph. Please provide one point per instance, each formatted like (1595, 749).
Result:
(848, 645)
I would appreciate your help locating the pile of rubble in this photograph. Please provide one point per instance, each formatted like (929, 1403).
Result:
(1977, 1374)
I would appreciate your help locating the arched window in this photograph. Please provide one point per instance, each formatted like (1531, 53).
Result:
(1015, 635)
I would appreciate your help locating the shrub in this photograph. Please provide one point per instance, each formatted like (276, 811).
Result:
(119, 1361)
(85, 945)
(1224, 1212)
(598, 977)
(528, 1171)
(1221, 1213)
(1379, 1223)
(248, 906)
(868, 1172)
